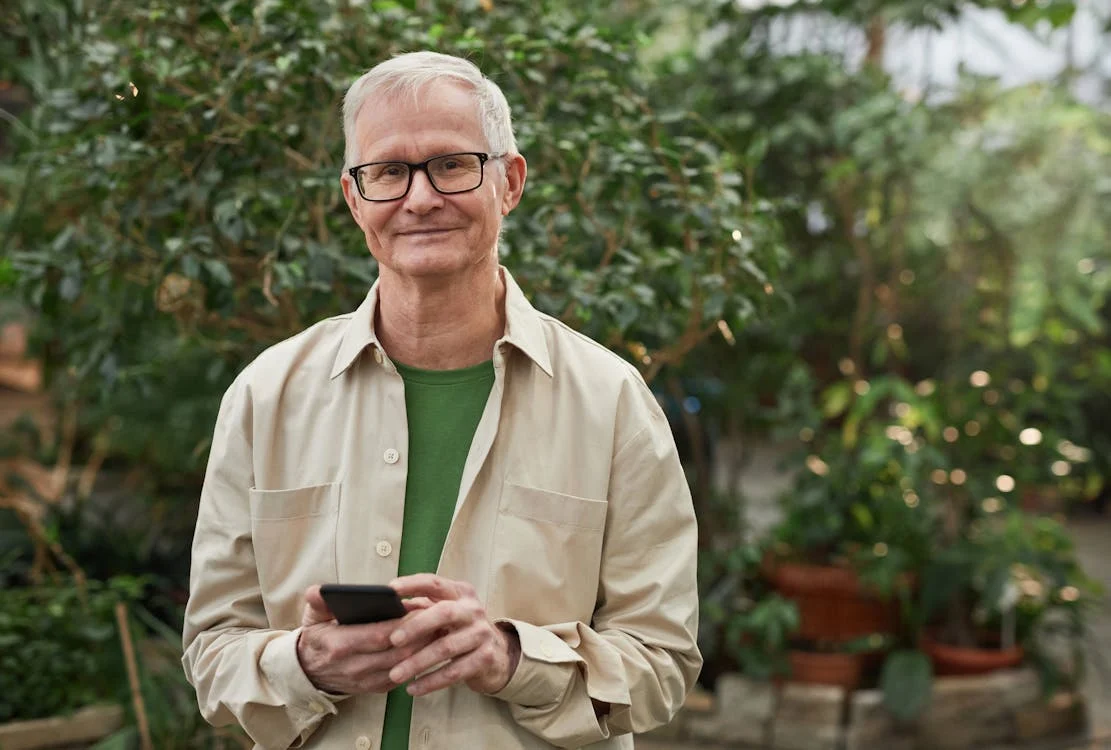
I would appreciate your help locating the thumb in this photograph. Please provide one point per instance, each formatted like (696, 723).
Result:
(316, 611)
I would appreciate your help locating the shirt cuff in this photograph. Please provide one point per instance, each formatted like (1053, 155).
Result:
(546, 667)
(282, 669)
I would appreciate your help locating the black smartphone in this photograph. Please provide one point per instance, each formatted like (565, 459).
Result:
(358, 604)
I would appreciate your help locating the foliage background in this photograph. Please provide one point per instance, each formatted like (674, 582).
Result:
(783, 241)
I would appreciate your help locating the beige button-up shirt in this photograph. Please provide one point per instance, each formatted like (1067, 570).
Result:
(573, 522)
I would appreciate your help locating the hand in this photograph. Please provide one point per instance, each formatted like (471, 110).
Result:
(350, 659)
(455, 637)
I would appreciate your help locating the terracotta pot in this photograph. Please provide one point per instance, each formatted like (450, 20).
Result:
(958, 660)
(833, 605)
(816, 668)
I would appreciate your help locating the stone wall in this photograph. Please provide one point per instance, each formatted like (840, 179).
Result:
(996, 711)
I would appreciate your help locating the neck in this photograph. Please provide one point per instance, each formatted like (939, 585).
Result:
(441, 323)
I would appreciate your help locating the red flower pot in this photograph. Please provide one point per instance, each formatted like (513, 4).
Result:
(959, 660)
(816, 668)
(834, 606)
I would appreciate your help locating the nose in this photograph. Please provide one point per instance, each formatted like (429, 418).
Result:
(422, 197)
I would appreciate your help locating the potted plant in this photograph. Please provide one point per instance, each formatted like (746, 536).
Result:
(758, 629)
(983, 604)
(843, 664)
(855, 529)
(987, 594)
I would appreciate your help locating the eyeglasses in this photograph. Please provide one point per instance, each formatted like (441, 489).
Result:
(448, 174)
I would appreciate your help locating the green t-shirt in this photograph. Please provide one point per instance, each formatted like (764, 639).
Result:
(443, 408)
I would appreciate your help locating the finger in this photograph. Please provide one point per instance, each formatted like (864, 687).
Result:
(370, 673)
(430, 585)
(368, 667)
(417, 602)
(316, 611)
(461, 669)
(424, 623)
(345, 641)
(378, 682)
(451, 646)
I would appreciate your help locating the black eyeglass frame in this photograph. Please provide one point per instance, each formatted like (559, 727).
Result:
(423, 167)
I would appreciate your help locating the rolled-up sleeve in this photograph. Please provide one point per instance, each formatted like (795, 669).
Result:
(243, 670)
(639, 654)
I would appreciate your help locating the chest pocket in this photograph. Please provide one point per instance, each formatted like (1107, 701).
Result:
(294, 535)
(546, 556)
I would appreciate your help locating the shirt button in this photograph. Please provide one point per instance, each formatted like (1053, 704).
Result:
(546, 651)
(383, 548)
(316, 707)
(378, 359)
(363, 743)
(391, 456)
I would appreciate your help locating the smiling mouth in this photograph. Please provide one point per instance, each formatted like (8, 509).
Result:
(418, 232)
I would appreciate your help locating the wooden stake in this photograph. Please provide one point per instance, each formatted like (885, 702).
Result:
(133, 676)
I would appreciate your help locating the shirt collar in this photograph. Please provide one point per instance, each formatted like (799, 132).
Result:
(522, 329)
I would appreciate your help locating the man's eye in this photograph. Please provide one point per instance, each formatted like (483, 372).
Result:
(385, 172)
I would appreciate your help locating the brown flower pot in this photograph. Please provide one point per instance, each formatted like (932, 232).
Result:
(833, 605)
(959, 660)
(815, 668)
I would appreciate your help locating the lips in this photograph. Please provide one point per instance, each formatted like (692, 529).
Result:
(429, 231)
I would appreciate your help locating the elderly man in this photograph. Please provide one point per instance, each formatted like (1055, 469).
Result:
(514, 481)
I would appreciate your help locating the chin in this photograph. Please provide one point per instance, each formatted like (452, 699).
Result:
(432, 262)
(452, 254)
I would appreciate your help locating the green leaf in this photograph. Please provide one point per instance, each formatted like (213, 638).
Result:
(863, 516)
(1028, 305)
(906, 681)
(836, 399)
(1083, 309)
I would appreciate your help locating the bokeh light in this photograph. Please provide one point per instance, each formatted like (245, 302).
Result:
(1030, 436)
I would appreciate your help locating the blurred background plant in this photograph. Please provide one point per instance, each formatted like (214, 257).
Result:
(57, 648)
(900, 288)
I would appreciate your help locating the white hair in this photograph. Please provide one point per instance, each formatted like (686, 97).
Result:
(409, 74)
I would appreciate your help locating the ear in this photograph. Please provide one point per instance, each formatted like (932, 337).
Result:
(516, 171)
(351, 195)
